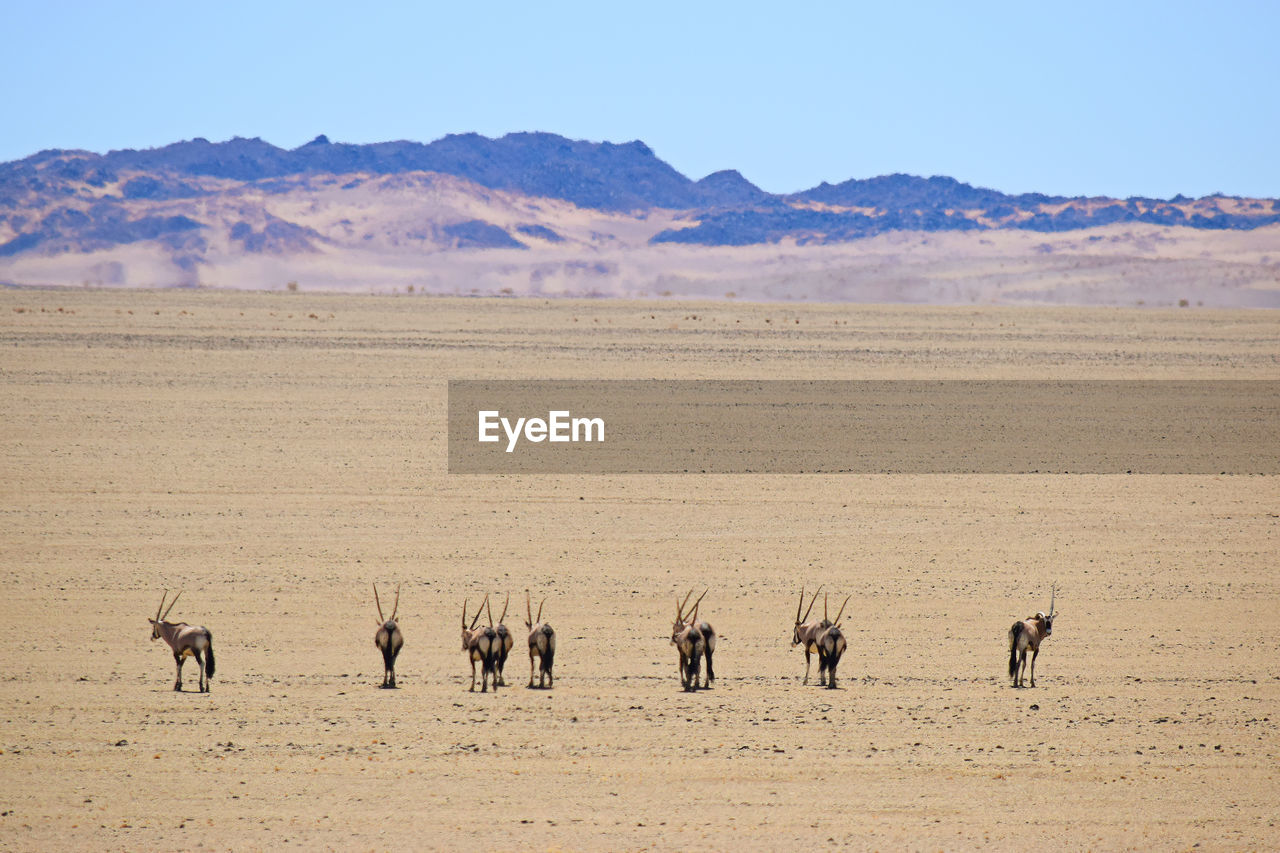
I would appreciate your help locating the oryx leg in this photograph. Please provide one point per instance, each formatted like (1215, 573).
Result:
(686, 671)
(831, 672)
(200, 683)
(179, 660)
(1034, 654)
(473, 675)
(711, 673)
(531, 669)
(808, 662)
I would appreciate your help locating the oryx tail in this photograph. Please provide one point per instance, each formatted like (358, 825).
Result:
(1014, 633)
(208, 653)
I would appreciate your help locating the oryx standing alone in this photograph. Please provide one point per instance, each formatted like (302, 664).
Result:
(388, 639)
(695, 639)
(542, 643)
(505, 643)
(480, 644)
(186, 641)
(1026, 634)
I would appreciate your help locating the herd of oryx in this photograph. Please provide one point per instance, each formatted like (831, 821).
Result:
(694, 639)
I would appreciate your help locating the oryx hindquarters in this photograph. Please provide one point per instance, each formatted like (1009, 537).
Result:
(388, 639)
(485, 650)
(542, 644)
(831, 647)
(691, 646)
(186, 641)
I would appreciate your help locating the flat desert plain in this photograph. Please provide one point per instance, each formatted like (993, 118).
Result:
(271, 455)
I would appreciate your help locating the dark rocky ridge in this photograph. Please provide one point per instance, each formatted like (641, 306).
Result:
(723, 208)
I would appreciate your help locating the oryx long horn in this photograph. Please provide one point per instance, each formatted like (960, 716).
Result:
(699, 601)
(464, 613)
(811, 601)
(1052, 593)
(824, 608)
(841, 613)
(799, 605)
(680, 607)
(479, 610)
(170, 607)
(395, 608)
(489, 611)
(161, 607)
(504, 609)
(540, 603)
(378, 602)
(528, 608)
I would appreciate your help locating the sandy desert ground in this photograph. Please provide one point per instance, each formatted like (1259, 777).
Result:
(272, 454)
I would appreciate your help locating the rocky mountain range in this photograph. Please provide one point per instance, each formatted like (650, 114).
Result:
(195, 212)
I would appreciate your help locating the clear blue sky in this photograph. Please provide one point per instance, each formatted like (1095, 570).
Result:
(1116, 98)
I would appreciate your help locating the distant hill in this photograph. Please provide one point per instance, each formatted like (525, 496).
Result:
(602, 175)
(195, 212)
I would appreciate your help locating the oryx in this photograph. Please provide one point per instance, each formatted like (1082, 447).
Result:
(388, 639)
(186, 641)
(689, 643)
(505, 642)
(542, 643)
(480, 644)
(821, 636)
(694, 638)
(806, 632)
(1026, 634)
(831, 644)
